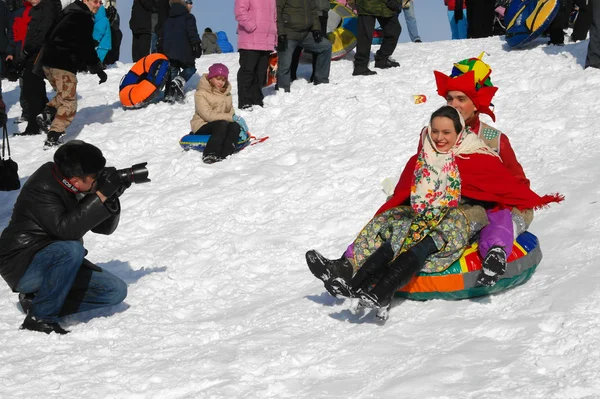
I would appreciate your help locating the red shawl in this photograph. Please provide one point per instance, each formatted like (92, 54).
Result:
(483, 177)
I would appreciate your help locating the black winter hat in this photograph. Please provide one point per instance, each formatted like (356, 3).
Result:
(78, 158)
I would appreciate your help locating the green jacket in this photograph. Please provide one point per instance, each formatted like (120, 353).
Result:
(295, 18)
(323, 5)
(379, 8)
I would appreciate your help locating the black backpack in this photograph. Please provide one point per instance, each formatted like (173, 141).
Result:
(115, 33)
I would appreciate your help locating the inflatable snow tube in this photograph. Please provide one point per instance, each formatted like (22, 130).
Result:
(144, 81)
(377, 36)
(525, 20)
(343, 38)
(459, 280)
(198, 142)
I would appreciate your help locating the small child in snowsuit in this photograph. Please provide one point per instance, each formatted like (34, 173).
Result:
(102, 33)
(214, 115)
(182, 45)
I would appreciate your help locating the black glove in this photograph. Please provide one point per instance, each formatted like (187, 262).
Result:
(108, 182)
(282, 43)
(197, 49)
(317, 36)
(124, 186)
(13, 70)
(102, 76)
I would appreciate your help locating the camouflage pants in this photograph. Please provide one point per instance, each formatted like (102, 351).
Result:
(65, 101)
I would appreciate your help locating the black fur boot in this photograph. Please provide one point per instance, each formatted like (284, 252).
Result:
(326, 269)
(399, 273)
(365, 276)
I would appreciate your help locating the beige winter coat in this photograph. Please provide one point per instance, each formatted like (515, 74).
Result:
(211, 104)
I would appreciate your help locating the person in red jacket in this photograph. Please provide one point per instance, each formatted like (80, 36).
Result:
(469, 89)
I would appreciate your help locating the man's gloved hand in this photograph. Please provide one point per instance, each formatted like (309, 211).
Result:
(282, 43)
(197, 49)
(108, 182)
(102, 76)
(317, 36)
(124, 186)
(240, 121)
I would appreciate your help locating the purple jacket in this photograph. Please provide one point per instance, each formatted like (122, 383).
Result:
(257, 24)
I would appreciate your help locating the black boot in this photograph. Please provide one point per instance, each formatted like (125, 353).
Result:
(45, 119)
(25, 301)
(363, 71)
(399, 273)
(326, 269)
(494, 265)
(32, 324)
(53, 139)
(385, 62)
(365, 276)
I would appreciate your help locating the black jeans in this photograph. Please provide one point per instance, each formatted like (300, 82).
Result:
(251, 77)
(480, 16)
(34, 93)
(140, 46)
(223, 138)
(366, 25)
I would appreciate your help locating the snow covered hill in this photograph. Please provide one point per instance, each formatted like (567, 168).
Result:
(221, 303)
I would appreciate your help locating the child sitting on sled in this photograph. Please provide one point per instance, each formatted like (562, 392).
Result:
(214, 115)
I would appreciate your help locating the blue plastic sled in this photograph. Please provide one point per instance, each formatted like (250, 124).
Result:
(198, 142)
(526, 20)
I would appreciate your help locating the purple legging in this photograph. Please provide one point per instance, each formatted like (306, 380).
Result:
(499, 232)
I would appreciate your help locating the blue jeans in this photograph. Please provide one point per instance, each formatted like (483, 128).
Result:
(459, 29)
(65, 283)
(322, 52)
(411, 22)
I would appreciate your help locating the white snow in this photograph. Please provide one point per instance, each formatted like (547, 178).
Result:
(221, 303)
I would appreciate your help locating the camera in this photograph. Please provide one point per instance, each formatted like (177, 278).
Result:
(136, 174)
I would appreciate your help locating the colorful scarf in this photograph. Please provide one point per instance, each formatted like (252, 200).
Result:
(436, 180)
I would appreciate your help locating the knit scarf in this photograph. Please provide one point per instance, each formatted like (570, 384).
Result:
(436, 180)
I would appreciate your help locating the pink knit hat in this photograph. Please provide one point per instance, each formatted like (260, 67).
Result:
(218, 70)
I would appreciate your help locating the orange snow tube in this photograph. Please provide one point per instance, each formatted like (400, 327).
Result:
(144, 81)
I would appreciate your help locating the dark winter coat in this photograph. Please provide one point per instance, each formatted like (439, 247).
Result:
(43, 17)
(163, 7)
(209, 43)
(71, 46)
(46, 212)
(20, 23)
(5, 28)
(141, 16)
(14, 5)
(379, 8)
(180, 34)
(295, 18)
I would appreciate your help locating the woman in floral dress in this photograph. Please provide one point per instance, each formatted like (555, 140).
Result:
(434, 211)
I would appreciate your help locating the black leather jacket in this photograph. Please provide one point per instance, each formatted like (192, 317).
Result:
(47, 212)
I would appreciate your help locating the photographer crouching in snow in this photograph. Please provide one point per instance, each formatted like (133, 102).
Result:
(41, 249)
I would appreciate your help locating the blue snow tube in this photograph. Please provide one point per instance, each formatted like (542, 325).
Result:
(198, 142)
(526, 20)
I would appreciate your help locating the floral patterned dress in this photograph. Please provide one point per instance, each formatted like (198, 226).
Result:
(404, 228)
